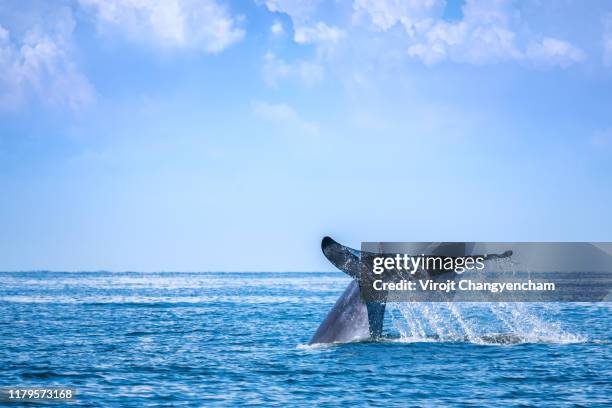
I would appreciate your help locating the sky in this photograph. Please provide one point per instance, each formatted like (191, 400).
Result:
(215, 135)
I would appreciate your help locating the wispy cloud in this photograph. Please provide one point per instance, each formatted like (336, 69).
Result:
(384, 14)
(306, 28)
(276, 69)
(488, 32)
(319, 33)
(298, 9)
(284, 115)
(38, 63)
(277, 28)
(551, 51)
(192, 24)
(38, 49)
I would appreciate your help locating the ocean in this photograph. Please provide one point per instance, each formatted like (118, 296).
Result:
(229, 339)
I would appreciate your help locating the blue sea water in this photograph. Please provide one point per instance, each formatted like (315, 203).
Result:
(205, 339)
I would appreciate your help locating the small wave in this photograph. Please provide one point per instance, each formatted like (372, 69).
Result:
(164, 300)
(175, 281)
(317, 346)
(486, 339)
(497, 339)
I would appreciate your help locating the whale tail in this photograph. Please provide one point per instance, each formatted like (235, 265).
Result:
(352, 318)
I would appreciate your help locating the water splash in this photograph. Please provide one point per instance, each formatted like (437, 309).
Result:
(480, 323)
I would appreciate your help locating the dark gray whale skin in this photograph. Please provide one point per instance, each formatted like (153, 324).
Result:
(351, 319)
(347, 320)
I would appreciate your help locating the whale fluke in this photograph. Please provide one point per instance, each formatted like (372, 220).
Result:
(353, 319)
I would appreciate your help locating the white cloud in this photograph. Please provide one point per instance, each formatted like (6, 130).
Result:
(300, 10)
(38, 62)
(189, 24)
(412, 14)
(305, 29)
(277, 28)
(490, 31)
(466, 41)
(482, 36)
(282, 114)
(276, 69)
(551, 51)
(317, 33)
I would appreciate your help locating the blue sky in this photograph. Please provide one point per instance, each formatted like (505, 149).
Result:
(232, 135)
